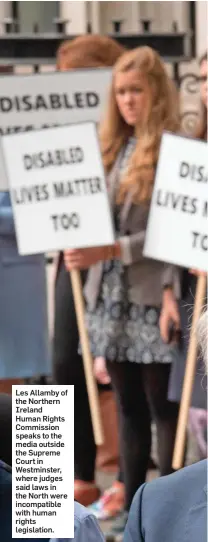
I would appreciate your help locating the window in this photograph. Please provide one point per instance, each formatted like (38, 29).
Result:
(35, 16)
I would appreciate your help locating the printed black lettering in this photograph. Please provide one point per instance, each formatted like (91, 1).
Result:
(159, 200)
(54, 219)
(79, 99)
(175, 200)
(184, 204)
(5, 104)
(92, 99)
(41, 192)
(65, 221)
(50, 161)
(79, 154)
(75, 220)
(40, 102)
(28, 128)
(58, 157)
(193, 206)
(202, 176)
(204, 242)
(200, 241)
(17, 103)
(95, 185)
(205, 209)
(17, 197)
(59, 189)
(192, 172)
(40, 159)
(66, 102)
(27, 159)
(26, 101)
(55, 101)
(184, 169)
(195, 237)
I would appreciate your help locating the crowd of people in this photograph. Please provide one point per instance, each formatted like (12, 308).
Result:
(138, 319)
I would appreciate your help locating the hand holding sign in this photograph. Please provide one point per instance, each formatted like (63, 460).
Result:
(169, 315)
(84, 258)
(62, 202)
(197, 273)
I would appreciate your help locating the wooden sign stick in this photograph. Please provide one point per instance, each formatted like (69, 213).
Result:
(178, 454)
(87, 357)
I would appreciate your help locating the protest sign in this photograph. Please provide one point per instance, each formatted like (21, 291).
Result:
(58, 189)
(59, 199)
(177, 225)
(44, 100)
(177, 233)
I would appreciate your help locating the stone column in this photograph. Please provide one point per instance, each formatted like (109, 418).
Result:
(201, 27)
(95, 16)
(76, 13)
(5, 12)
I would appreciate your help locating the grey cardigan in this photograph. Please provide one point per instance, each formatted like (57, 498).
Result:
(146, 277)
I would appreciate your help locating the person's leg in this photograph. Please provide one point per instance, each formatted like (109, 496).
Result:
(164, 412)
(68, 369)
(134, 424)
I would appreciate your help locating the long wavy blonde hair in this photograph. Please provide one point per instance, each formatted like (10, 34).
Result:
(162, 114)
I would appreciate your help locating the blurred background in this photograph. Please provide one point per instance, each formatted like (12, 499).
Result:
(30, 33)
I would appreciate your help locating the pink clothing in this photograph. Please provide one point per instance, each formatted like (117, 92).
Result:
(198, 420)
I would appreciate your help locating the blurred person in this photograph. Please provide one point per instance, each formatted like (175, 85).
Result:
(6, 506)
(88, 51)
(173, 508)
(24, 343)
(131, 300)
(86, 528)
(6, 428)
(198, 411)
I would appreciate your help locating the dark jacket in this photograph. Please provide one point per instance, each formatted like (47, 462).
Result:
(171, 509)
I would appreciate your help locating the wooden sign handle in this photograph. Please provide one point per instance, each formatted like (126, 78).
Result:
(87, 357)
(178, 454)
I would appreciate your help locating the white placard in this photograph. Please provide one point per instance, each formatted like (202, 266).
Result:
(51, 99)
(58, 189)
(177, 229)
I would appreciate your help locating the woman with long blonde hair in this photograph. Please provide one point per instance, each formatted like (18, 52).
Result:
(131, 300)
(87, 51)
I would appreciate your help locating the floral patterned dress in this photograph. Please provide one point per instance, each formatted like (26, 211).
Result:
(118, 329)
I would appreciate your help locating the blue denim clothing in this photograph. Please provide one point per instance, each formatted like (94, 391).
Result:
(86, 528)
(171, 509)
(6, 506)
